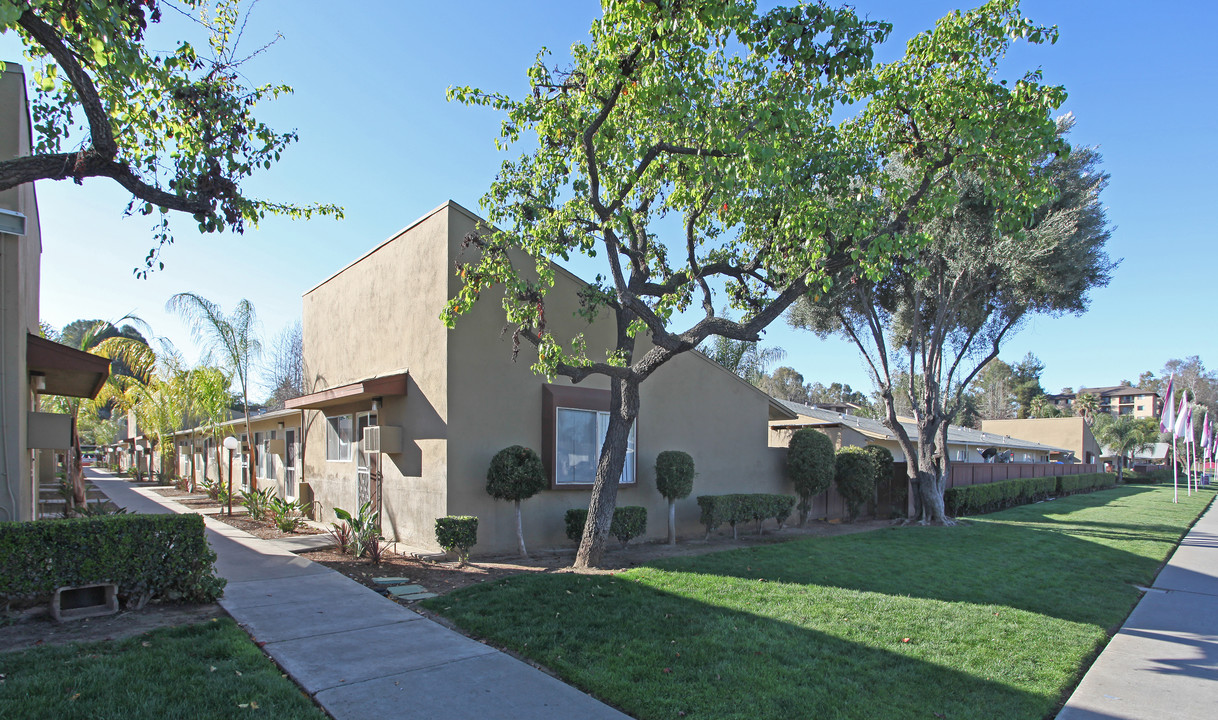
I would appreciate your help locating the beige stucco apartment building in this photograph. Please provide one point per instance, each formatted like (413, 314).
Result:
(443, 402)
(1114, 400)
(1072, 433)
(30, 365)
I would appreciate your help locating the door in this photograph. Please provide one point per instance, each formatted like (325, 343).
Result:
(363, 475)
(289, 463)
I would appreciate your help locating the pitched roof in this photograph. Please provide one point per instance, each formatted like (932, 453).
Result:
(874, 428)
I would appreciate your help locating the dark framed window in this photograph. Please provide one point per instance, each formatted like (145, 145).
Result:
(574, 423)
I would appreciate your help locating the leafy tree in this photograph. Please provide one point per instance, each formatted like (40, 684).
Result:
(710, 114)
(809, 467)
(675, 480)
(994, 390)
(233, 340)
(1042, 408)
(945, 313)
(176, 129)
(212, 405)
(1191, 374)
(881, 458)
(785, 384)
(516, 474)
(1026, 374)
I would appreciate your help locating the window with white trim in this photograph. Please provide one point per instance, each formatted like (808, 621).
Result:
(579, 436)
(338, 438)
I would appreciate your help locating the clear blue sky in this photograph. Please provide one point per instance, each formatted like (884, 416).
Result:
(378, 138)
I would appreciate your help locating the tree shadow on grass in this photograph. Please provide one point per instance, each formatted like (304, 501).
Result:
(659, 654)
(1028, 558)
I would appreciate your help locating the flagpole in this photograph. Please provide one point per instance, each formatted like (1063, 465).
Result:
(1175, 472)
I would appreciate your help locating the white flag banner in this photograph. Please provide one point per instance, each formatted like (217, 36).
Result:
(1167, 418)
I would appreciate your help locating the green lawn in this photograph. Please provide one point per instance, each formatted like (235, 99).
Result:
(1001, 616)
(207, 670)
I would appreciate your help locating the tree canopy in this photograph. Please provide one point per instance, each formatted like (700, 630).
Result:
(175, 129)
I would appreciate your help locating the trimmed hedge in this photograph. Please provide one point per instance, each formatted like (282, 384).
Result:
(629, 522)
(1071, 484)
(1150, 477)
(990, 497)
(147, 556)
(515, 474)
(854, 473)
(457, 532)
(738, 508)
(809, 466)
(675, 474)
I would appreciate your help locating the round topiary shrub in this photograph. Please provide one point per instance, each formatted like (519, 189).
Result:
(457, 532)
(516, 474)
(675, 480)
(855, 476)
(882, 458)
(809, 466)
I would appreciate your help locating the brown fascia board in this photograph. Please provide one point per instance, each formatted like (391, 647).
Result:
(48, 356)
(351, 392)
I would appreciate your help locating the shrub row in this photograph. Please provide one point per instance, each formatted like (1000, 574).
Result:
(738, 508)
(1071, 484)
(147, 556)
(629, 522)
(1152, 477)
(978, 499)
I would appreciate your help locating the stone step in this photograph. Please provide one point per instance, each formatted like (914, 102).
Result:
(416, 596)
(391, 580)
(400, 590)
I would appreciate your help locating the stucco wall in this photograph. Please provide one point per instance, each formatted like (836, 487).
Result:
(19, 287)
(1070, 433)
(375, 317)
(689, 404)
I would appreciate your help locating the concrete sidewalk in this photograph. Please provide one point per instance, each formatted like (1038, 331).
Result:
(1163, 664)
(358, 653)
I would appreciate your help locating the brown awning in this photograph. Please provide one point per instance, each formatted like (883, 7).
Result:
(67, 371)
(351, 393)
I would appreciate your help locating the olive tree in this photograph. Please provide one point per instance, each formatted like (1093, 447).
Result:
(692, 147)
(516, 474)
(675, 480)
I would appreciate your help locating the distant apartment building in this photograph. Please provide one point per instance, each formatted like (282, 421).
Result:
(1114, 400)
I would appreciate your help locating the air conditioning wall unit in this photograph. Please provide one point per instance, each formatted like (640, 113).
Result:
(382, 439)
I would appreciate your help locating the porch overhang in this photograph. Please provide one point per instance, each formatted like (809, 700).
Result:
(65, 370)
(385, 385)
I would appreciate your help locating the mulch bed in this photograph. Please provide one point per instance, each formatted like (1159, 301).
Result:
(258, 528)
(443, 577)
(34, 630)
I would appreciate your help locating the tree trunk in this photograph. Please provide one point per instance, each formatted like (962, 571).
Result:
(932, 475)
(623, 409)
(75, 471)
(520, 532)
(672, 521)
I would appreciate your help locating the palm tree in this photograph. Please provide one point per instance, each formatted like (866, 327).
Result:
(745, 358)
(1087, 405)
(1040, 407)
(209, 390)
(104, 339)
(1125, 435)
(232, 338)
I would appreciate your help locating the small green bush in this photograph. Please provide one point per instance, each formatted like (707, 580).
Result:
(515, 474)
(809, 466)
(854, 473)
(629, 522)
(457, 532)
(675, 474)
(738, 508)
(1150, 477)
(147, 556)
(898, 488)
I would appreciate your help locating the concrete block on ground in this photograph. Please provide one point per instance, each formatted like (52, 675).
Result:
(406, 590)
